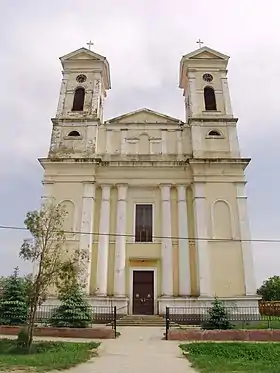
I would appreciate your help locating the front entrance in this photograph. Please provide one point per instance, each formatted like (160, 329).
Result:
(143, 293)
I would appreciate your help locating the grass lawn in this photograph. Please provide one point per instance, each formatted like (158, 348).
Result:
(45, 355)
(262, 324)
(234, 357)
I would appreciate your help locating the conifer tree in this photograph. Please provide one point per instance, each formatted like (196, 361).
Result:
(13, 301)
(74, 311)
(218, 317)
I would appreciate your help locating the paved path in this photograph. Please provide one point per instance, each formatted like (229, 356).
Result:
(137, 350)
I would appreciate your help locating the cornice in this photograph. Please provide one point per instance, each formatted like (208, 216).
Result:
(212, 119)
(219, 160)
(88, 118)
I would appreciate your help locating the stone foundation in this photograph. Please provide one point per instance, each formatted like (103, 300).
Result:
(91, 333)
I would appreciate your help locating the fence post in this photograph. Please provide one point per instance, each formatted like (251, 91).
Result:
(166, 322)
(115, 320)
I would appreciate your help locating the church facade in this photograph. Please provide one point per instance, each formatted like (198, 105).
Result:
(158, 203)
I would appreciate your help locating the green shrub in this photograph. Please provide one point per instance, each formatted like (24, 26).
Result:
(13, 302)
(218, 317)
(22, 340)
(74, 311)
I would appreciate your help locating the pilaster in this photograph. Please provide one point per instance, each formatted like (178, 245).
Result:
(201, 236)
(103, 241)
(166, 242)
(248, 263)
(86, 236)
(120, 251)
(184, 255)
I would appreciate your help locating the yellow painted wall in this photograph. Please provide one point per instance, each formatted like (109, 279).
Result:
(226, 262)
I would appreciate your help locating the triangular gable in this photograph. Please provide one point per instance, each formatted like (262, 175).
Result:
(82, 53)
(144, 116)
(84, 56)
(205, 53)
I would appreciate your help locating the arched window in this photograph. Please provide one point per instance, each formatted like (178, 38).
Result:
(74, 134)
(79, 98)
(209, 99)
(214, 133)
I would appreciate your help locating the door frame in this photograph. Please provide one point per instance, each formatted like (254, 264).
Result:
(131, 270)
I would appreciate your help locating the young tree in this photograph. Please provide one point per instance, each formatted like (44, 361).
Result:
(270, 289)
(55, 266)
(74, 311)
(13, 301)
(218, 317)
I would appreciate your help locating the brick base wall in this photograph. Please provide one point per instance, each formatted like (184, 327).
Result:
(224, 335)
(91, 333)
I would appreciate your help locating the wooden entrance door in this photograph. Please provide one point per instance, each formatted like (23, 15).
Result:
(143, 292)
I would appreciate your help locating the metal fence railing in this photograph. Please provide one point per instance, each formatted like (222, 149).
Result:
(78, 316)
(240, 317)
(99, 314)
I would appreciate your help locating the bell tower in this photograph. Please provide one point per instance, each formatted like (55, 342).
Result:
(86, 78)
(203, 78)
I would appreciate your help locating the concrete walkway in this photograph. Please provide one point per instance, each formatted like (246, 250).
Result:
(137, 350)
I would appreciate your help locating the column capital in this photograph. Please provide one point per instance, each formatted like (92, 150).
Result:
(181, 190)
(241, 189)
(167, 185)
(106, 189)
(122, 191)
(198, 189)
(165, 191)
(89, 190)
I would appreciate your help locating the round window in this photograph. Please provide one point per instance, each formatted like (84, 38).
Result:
(207, 77)
(81, 78)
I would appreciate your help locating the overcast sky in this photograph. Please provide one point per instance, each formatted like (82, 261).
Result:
(143, 41)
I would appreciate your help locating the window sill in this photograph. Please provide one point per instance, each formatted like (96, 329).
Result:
(143, 243)
(72, 137)
(215, 137)
(211, 112)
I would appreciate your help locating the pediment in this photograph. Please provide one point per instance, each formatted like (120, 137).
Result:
(84, 57)
(205, 53)
(144, 116)
(82, 54)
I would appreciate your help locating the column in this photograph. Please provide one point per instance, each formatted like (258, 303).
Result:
(109, 135)
(62, 94)
(184, 255)
(164, 141)
(86, 236)
(201, 235)
(47, 197)
(179, 142)
(120, 250)
(123, 140)
(192, 95)
(228, 109)
(166, 242)
(248, 262)
(233, 140)
(103, 242)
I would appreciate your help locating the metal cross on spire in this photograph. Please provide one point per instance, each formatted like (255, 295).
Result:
(90, 43)
(200, 42)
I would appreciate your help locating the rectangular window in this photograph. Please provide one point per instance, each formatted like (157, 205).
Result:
(144, 223)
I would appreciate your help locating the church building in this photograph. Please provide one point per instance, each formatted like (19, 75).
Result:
(158, 203)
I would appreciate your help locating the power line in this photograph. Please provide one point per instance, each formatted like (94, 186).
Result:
(264, 240)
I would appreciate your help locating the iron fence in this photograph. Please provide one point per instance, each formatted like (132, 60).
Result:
(99, 314)
(78, 316)
(240, 317)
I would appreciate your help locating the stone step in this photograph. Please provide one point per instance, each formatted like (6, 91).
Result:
(141, 320)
